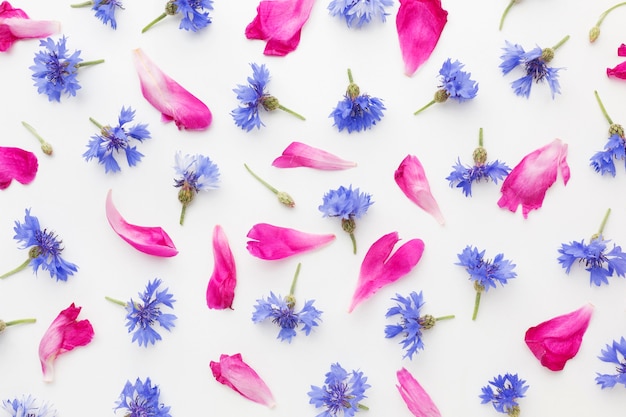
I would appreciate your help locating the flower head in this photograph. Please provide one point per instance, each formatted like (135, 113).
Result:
(195, 173)
(28, 406)
(614, 353)
(105, 10)
(55, 70)
(359, 12)
(614, 149)
(142, 399)
(508, 389)
(195, 14)
(357, 111)
(17, 164)
(15, 25)
(232, 371)
(600, 262)
(341, 393)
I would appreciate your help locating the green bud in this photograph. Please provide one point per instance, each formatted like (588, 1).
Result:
(514, 411)
(616, 129)
(285, 199)
(348, 225)
(441, 96)
(427, 321)
(3, 325)
(594, 33)
(547, 54)
(46, 148)
(353, 91)
(290, 300)
(478, 286)
(171, 8)
(185, 195)
(270, 103)
(34, 252)
(480, 156)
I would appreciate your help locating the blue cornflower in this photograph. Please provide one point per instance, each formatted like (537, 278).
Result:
(252, 97)
(359, 12)
(195, 173)
(113, 140)
(357, 111)
(508, 389)
(615, 148)
(455, 84)
(341, 394)
(614, 353)
(195, 14)
(44, 249)
(105, 10)
(141, 400)
(28, 406)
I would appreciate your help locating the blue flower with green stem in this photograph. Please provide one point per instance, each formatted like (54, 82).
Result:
(195, 173)
(614, 353)
(341, 394)
(105, 10)
(357, 111)
(195, 14)
(508, 389)
(28, 406)
(359, 12)
(455, 84)
(615, 148)
(141, 399)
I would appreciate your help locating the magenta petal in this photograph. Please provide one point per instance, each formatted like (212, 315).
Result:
(63, 335)
(530, 179)
(298, 154)
(419, 24)
(378, 269)
(274, 242)
(170, 98)
(150, 240)
(415, 397)
(221, 289)
(411, 179)
(618, 71)
(17, 164)
(557, 340)
(15, 25)
(621, 50)
(233, 372)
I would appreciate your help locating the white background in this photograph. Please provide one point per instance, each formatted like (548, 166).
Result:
(460, 356)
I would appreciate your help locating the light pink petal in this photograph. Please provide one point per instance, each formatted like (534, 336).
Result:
(378, 269)
(557, 340)
(621, 50)
(17, 164)
(419, 24)
(233, 372)
(618, 71)
(63, 335)
(411, 179)
(221, 289)
(151, 240)
(279, 22)
(15, 25)
(415, 397)
(170, 98)
(298, 154)
(274, 242)
(530, 179)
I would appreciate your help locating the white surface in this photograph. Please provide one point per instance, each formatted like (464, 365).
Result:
(68, 196)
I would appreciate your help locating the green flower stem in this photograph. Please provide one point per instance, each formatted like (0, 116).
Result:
(84, 4)
(350, 76)
(560, 43)
(604, 112)
(353, 239)
(16, 270)
(154, 22)
(424, 108)
(20, 321)
(98, 125)
(269, 187)
(480, 137)
(293, 113)
(609, 10)
(476, 304)
(87, 63)
(506, 11)
(362, 407)
(182, 214)
(45, 146)
(113, 300)
(292, 289)
(606, 217)
(451, 316)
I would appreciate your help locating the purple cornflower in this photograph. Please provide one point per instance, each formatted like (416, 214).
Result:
(357, 111)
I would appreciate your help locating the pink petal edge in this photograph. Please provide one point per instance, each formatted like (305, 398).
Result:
(17, 164)
(299, 154)
(220, 291)
(15, 25)
(416, 398)
(275, 242)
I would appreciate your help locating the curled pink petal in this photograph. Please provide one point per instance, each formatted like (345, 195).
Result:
(221, 289)
(233, 372)
(63, 335)
(298, 154)
(279, 22)
(419, 24)
(621, 50)
(170, 98)
(15, 25)
(557, 340)
(530, 179)
(619, 71)
(411, 179)
(415, 397)
(17, 164)
(150, 240)
(379, 269)
(274, 242)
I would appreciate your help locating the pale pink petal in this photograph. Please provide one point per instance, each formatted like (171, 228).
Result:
(17, 164)
(63, 335)
(274, 242)
(279, 22)
(557, 340)
(379, 269)
(411, 179)
(15, 25)
(419, 24)
(151, 240)
(415, 397)
(619, 71)
(530, 179)
(298, 154)
(621, 50)
(170, 98)
(233, 372)
(221, 289)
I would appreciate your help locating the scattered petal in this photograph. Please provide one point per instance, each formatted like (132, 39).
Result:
(415, 397)
(15, 25)
(619, 71)
(17, 164)
(274, 242)
(299, 154)
(220, 292)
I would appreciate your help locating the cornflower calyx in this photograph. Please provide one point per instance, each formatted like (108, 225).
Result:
(616, 129)
(479, 156)
(594, 32)
(45, 146)
(441, 96)
(171, 8)
(270, 103)
(547, 54)
(283, 197)
(353, 90)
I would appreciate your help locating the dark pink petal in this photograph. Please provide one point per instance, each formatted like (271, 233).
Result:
(419, 24)
(379, 269)
(170, 98)
(411, 179)
(17, 164)
(233, 372)
(279, 22)
(618, 71)
(221, 289)
(63, 335)
(298, 154)
(274, 242)
(621, 50)
(530, 179)
(415, 397)
(557, 340)
(15, 25)
(151, 240)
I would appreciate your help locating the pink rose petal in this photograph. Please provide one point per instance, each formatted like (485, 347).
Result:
(274, 242)
(621, 50)
(298, 154)
(619, 71)
(15, 25)
(17, 164)
(415, 397)
(221, 289)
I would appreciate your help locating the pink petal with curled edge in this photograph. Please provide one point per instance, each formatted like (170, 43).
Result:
(415, 397)
(379, 269)
(274, 242)
(619, 71)
(557, 340)
(411, 179)
(233, 372)
(150, 240)
(621, 50)
(221, 289)
(279, 22)
(298, 154)
(17, 164)
(530, 179)
(170, 98)
(15, 25)
(63, 335)
(419, 24)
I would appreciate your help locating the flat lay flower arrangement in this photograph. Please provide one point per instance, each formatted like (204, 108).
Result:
(444, 236)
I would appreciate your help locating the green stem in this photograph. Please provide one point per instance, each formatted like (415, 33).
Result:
(451, 316)
(506, 11)
(84, 4)
(480, 137)
(353, 242)
(362, 407)
(113, 300)
(182, 214)
(424, 108)
(269, 187)
(292, 289)
(350, 76)
(293, 113)
(604, 112)
(18, 269)
(476, 304)
(606, 217)
(154, 22)
(92, 120)
(20, 321)
(561, 42)
(609, 10)
(87, 63)
(45, 146)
